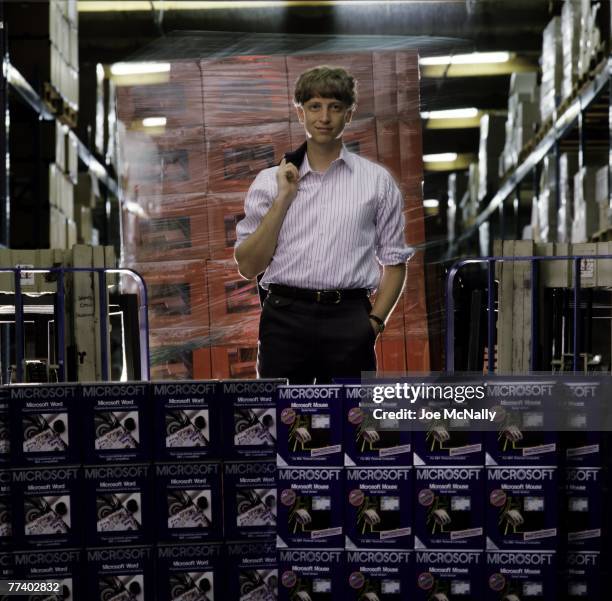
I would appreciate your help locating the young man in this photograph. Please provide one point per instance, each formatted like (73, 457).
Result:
(319, 226)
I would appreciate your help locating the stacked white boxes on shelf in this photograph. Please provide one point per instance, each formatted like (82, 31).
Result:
(546, 205)
(552, 68)
(586, 210)
(491, 145)
(568, 166)
(602, 197)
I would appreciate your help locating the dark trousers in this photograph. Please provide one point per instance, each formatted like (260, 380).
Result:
(310, 342)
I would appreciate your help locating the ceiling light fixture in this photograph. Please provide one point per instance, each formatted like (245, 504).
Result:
(475, 58)
(139, 68)
(443, 157)
(451, 114)
(154, 121)
(431, 203)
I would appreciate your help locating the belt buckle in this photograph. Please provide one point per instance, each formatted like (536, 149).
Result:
(322, 297)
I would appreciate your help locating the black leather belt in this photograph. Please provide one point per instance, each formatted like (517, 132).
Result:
(326, 297)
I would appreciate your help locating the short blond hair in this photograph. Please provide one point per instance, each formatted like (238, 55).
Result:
(326, 82)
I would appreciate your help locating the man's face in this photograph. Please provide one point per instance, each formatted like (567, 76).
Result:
(324, 119)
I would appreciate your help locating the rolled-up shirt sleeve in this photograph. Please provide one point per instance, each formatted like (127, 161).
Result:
(391, 247)
(257, 203)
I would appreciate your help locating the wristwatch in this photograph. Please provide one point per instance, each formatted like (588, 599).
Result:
(379, 322)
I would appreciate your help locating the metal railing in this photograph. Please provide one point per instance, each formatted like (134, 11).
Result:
(491, 322)
(102, 272)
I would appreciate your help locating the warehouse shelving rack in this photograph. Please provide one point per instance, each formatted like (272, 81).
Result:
(571, 118)
(11, 79)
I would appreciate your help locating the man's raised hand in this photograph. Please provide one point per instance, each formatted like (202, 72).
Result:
(287, 178)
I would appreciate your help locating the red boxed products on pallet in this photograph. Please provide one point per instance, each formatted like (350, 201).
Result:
(388, 143)
(224, 213)
(178, 99)
(245, 90)
(385, 83)
(172, 227)
(358, 64)
(177, 293)
(236, 361)
(180, 354)
(408, 83)
(169, 162)
(234, 304)
(237, 154)
(391, 354)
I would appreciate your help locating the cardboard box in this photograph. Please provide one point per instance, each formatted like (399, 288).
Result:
(121, 572)
(384, 69)
(116, 423)
(583, 575)
(236, 155)
(584, 513)
(311, 507)
(388, 144)
(181, 353)
(189, 505)
(46, 505)
(522, 508)
(179, 99)
(224, 213)
(249, 418)
(63, 566)
(46, 424)
(187, 421)
(177, 293)
(172, 162)
(252, 570)
(525, 574)
(245, 90)
(175, 228)
(249, 499)
(310, 574)
(236, 360)
(310, 424)
(119, 503)
(233, 303)
(449, 507)
(381, 574)
(454, 574)
(190, 571)
(368, 442)
(378, 507)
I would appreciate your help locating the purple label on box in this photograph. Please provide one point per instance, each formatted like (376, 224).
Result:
(448, 574)
(316, 574)
(449, 507)
(370, 442)
(117, 422)
(249, 495)
(310, 507)
(522, 507)
(63, 566)
(119, 504)
(189, 506)
(252, 570)
(47, 507)
(378, 507)
(47, 426)
(584, 508)
(382, 574)
(520, 574)
(310, 425)
(249, 409)
(187, 420)
(120, 573)
(189, 571)
(583, 576)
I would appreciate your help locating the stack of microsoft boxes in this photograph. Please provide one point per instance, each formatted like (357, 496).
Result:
(225, 120)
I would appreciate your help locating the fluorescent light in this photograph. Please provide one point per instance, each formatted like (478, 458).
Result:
(431, 203)
(475, 58)
(90, 6)
(154, 121)
(139, 68)
(451, 114)
(443, 157)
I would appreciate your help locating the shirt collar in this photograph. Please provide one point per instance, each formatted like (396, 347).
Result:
(345, 156)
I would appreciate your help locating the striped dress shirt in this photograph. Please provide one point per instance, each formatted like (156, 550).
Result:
(340, 228)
